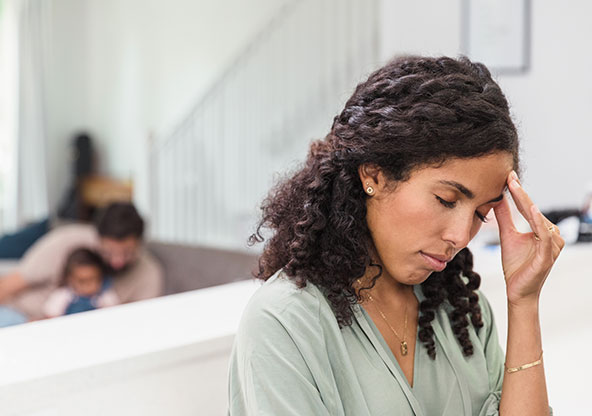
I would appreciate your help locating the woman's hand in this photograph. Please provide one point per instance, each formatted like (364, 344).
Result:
(527, 258)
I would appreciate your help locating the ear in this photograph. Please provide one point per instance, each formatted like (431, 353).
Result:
(371, 176)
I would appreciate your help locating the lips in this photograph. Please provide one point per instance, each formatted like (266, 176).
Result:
(435, 261)
(442, 258)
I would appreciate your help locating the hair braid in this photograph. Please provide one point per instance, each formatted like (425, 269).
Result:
(449, 285)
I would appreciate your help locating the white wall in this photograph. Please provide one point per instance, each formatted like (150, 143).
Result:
(421, 26)
(123, 69)
(66, 95)
(550, 103)
(553, 103)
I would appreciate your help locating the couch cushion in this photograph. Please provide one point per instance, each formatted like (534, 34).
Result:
(196, 267)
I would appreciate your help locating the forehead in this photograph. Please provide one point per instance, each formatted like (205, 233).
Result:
(483, 176)
(127, 242)
(83, 271)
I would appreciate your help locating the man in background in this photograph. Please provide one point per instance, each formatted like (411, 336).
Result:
(117, 236)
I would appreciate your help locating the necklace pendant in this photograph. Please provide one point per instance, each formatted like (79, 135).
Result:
(404, 348)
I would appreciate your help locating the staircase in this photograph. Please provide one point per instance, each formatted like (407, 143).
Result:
(210, 173)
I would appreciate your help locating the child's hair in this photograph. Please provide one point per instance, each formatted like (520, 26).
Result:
(81, 257)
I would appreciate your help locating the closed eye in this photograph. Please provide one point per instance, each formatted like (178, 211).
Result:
(447, 204)
(452, 204)
(482, 217)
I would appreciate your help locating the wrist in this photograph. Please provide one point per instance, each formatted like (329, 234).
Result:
(523, 308)
(528, 302)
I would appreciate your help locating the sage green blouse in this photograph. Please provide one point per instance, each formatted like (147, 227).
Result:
(291, 358)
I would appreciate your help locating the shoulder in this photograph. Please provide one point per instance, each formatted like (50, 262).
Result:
(281, 359)
(149, 271)
(146, 268)
(280, 309)
(143, 280)
(281, 298)
(147, 263)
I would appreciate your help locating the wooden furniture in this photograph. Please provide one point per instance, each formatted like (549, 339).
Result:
(98, 191)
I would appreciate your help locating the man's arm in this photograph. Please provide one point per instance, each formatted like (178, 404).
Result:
(10, 285)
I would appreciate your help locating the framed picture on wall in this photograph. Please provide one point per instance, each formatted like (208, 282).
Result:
(497, 33)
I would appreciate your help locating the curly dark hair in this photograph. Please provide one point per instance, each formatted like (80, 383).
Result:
(81, 257)
(120, 220)
(413, 112)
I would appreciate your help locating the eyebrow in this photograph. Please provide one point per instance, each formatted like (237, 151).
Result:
(467, 192)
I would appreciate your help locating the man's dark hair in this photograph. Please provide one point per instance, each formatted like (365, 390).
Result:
(81, 257)
(120, 220)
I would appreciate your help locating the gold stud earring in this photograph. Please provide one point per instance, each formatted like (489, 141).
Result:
(369, 189)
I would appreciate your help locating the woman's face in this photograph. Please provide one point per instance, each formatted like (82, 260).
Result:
(419, 225)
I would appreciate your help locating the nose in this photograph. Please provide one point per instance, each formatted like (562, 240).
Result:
(459, 231)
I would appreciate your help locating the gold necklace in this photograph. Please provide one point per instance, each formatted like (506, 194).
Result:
(404, 347)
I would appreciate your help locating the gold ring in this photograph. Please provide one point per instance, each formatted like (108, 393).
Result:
(536, 237)
(552, 228)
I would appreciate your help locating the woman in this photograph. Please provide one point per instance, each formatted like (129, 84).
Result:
(370, 305)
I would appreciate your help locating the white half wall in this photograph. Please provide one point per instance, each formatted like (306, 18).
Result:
(169, 356)
(164, 356)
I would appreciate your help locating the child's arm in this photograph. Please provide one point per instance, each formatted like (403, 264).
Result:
(57, 302)
(108, 298)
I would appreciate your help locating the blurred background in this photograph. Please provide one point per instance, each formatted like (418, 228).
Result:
(192, 108)
(197, 104)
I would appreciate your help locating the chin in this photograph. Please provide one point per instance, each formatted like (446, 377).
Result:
(112, 270)
(419, 277)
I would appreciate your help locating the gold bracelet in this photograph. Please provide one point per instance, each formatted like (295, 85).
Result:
(524, 366)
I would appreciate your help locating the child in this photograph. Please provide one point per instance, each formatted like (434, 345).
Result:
(84, 286)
